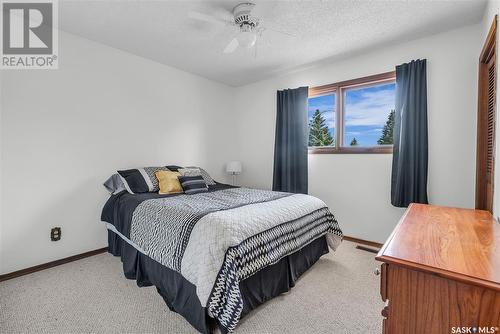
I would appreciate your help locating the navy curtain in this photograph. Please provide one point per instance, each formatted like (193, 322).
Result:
(290, 146)
(409, 161)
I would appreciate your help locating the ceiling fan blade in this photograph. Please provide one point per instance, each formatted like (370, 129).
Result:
(206, 18)
(232, 46)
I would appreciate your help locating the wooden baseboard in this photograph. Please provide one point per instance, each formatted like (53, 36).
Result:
(363, 242)
(51, 264)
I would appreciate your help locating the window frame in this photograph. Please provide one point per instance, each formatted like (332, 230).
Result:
(339, 88)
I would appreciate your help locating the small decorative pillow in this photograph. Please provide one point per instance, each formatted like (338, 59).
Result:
(208, 179)
(114, 184)
(193, 184)
(189, 171)
(141, 180)
(169, 184)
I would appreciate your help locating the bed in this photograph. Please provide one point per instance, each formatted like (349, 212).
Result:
(217, 255)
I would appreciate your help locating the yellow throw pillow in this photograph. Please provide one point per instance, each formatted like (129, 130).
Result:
(168, 181)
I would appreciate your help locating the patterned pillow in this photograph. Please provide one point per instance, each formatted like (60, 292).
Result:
(189, 171)
(208, 179)
(141, 180)
(193, 184)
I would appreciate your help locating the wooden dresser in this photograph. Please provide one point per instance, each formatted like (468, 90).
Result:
(441, 272)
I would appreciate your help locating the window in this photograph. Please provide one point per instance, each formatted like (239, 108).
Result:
(355, 116)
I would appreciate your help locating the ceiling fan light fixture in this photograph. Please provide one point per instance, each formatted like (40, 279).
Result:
(247, 36)
(247, 39)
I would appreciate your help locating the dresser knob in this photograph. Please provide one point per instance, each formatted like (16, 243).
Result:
(376, 271)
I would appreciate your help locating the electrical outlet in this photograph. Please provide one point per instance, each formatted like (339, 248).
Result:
(55, 234)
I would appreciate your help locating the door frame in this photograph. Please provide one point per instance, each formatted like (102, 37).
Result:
(482, 191)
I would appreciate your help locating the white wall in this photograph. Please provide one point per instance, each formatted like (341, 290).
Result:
(357, 187)
(492, 9)
(63, 132)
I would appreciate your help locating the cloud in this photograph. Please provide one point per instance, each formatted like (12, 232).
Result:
(368, 106)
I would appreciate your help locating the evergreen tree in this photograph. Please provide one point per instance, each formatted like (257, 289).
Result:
(387, 131)
(354, 142)
(318, 131)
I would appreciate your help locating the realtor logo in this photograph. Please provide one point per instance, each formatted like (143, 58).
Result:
(29, 34)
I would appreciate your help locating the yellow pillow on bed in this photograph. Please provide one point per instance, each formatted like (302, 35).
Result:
(168, 181)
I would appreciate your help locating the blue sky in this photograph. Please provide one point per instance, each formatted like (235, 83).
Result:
(366, 111)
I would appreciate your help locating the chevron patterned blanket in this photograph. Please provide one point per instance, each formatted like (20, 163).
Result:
(217, 239)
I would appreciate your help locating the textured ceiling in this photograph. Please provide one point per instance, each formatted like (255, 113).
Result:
(162, 31)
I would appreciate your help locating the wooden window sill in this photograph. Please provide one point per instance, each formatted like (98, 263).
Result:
(351, 150)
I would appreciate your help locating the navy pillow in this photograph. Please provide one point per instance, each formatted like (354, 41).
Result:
(193, 184)
(141, 180)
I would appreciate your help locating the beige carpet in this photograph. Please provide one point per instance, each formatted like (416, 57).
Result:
(339, 294)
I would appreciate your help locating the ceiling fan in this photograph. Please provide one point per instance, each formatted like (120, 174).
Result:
(249, 27)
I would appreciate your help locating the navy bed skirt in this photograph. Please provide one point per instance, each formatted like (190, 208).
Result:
(180, 295)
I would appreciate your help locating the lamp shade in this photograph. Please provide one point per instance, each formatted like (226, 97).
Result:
(233, 167)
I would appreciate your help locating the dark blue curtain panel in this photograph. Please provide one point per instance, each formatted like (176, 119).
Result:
(410, 155)
(290, 147)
